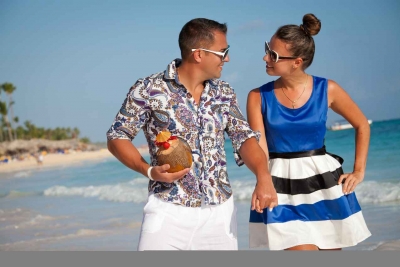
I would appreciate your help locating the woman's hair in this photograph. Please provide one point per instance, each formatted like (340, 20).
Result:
(198, 33)
(300, 38)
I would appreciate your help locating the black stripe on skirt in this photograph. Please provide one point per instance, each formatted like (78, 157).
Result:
(310, 184)
(307, 185)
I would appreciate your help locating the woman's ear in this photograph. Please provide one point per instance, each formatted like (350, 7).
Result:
(297, 63)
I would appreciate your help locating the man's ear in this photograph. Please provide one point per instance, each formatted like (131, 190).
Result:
(197, 56)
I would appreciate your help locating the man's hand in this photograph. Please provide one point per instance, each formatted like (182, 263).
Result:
(264, 196)
(160, 174)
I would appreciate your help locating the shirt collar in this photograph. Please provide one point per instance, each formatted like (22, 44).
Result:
(171, 74)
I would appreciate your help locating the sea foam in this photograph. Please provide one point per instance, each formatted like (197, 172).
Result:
(133, 191)
(136, 191)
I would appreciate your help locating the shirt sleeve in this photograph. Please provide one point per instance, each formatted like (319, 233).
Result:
(238, 128)
(133, 115)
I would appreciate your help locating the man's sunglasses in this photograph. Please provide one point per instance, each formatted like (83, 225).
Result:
(274, 55)
(223, 54)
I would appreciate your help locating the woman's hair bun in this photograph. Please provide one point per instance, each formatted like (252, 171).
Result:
(311, 24)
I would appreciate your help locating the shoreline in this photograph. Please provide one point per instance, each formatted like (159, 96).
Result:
(54, 160)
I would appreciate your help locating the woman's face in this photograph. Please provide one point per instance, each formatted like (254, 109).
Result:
(282, 66)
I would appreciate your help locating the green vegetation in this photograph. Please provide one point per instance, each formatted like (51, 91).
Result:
(10, 130)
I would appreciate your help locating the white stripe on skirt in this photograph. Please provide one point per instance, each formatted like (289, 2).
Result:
(323, 194)
(301, 168)
(324, 234)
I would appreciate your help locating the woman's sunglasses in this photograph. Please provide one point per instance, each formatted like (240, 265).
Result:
(274, 55)
(221, 54)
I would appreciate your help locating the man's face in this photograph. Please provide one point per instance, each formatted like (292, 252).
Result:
(213, 63)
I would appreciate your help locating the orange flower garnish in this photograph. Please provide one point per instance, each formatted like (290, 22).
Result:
(163, 136)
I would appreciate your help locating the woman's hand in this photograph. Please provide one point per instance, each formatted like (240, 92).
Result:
(264, 196)
(351, 180)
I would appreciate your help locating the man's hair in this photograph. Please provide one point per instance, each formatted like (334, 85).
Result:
(198, 33)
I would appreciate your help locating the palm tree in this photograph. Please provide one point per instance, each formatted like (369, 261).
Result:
(1, 126)
(16, 120)
(68, 131)
(75, 133)
(4, 113)
(9, 88)
(21, 132)
(31, 130)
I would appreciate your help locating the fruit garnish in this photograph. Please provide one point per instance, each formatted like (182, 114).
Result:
(163, 136)
(166, 145)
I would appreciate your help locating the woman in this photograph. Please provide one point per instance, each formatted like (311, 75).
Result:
(317, 207)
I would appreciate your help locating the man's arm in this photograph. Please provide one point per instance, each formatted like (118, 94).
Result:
(131, 118)
(249, 152)
(254, 158)
(128, 154)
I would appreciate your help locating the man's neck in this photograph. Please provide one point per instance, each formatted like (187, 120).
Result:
(192, 79)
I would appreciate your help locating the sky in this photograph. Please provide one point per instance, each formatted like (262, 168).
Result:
(73, 62)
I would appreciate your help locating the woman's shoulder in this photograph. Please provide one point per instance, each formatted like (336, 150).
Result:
(331, 87)
(334, 88)
(322, 82)
(319, 78)
(267, 87)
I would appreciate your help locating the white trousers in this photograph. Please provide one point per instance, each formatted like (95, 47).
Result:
(168, 226)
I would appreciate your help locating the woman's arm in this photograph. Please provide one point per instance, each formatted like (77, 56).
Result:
(342, 104)
(255, 117)
(255, 120)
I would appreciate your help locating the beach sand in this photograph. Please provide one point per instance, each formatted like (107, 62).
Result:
(58, 160)
(54, 160)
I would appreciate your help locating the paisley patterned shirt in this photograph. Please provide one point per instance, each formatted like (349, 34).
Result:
(160, 102)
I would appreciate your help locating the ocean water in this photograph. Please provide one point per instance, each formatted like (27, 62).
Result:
(98, 206)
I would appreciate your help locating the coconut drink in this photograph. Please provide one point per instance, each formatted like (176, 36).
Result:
(173, 151)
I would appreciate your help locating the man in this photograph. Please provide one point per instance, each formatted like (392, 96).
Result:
(192, 209)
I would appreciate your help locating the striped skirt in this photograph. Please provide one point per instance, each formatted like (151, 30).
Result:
(312, 208)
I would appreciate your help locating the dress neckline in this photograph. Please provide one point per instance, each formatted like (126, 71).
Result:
(299, 108)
